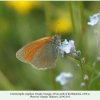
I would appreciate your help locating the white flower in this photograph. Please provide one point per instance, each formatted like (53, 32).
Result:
(94, 19)
(62, 78)
(66, 46)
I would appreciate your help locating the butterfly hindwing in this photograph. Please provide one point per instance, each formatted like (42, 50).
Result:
(45, 57)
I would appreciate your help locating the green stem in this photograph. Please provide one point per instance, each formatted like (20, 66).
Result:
(94, 64)
(72, 18)
(98, 44)
(91, 80)
(94, 78)
(82, 18)
(81, 66)
(82, 26)
(86, 67)
(52, 74)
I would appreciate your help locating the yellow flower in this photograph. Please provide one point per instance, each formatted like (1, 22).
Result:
(23, 7)
(64, 24)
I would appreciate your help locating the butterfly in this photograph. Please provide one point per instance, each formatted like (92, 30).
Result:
(41, 53)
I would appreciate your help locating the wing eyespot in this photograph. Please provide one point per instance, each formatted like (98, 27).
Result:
(25, 53)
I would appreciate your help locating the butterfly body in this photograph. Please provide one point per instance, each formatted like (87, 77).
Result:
(42, 53)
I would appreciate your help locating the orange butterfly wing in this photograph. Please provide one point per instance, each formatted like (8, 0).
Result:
(26, 53)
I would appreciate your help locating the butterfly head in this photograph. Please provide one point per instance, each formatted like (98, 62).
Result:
(57, 39)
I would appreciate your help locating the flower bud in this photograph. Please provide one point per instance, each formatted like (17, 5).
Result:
(79, 52)
(77, 65)
(82, 84)
(86, 77)
(83, 60)
(75, 55)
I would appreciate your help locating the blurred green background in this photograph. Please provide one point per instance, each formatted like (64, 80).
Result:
(23, 22)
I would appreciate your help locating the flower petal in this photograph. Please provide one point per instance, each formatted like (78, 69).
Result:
(94, 19)
(66, 46)
(62, 78)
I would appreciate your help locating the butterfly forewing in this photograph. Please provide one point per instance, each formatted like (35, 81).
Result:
(26, 53)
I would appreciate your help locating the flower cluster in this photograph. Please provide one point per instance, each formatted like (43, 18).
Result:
(66, 47)
(69, 47)
(63, 77)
